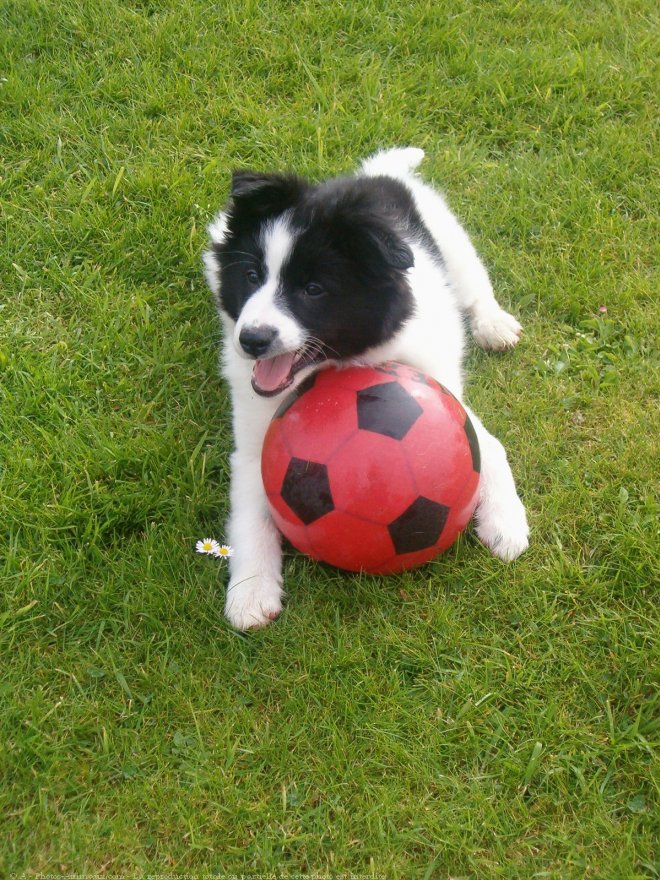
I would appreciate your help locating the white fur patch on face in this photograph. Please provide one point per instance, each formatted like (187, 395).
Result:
(217, 230)
(277, 241)
(262, 309)
(211, 271)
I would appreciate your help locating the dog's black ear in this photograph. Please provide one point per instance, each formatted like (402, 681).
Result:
(245, 182)
(265, 194)
(372, 241)
(366, 232)
(390, 246)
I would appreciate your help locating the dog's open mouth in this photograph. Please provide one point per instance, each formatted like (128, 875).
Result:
(272, 375)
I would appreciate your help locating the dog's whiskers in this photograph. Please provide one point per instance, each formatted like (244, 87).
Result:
(243, 253)
(313, 345)
(238, 263)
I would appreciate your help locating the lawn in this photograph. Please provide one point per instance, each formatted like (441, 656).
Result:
(468, 720)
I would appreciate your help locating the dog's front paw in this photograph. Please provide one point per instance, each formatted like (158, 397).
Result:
(253, 603)
(503, 529)
(495, 329)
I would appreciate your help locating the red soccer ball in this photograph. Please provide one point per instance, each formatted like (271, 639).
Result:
(371, 469)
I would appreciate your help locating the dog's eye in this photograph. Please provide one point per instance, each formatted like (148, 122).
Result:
(314, 290)
(252, 276)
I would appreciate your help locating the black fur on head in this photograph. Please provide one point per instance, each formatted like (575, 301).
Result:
(255, 198)
(344, 279)
(348, 245)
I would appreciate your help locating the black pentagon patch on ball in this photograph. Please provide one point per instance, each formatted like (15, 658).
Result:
(306, 489)
(419, 526)
(471, 435)
(387, 409)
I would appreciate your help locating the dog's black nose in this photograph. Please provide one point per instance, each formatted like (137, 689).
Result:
(256, 341)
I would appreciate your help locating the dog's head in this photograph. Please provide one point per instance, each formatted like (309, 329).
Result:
(307, 273)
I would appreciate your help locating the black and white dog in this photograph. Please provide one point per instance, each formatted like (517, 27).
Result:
(360, 269)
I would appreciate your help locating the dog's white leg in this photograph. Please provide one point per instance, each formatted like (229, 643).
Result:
(491, 326)
(501, 522)
(254, 595)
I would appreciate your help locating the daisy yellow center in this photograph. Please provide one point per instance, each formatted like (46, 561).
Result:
(208, 545)
(224, 551)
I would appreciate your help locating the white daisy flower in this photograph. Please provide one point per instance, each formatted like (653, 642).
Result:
(223, 552)
(209, 546)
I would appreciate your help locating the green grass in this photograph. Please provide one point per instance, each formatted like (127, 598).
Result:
(469, 719)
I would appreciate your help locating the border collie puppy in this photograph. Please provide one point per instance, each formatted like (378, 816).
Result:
(356, 270)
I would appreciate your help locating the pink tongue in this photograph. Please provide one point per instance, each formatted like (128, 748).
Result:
(270, 374)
